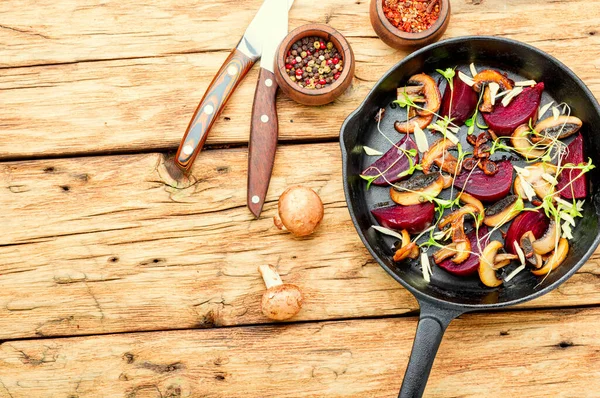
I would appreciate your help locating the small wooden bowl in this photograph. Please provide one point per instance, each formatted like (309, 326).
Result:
(398, 39)
(319, 96)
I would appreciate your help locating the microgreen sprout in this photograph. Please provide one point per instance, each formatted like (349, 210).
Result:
(472, 121)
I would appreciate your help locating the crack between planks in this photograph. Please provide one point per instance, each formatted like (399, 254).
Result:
(408, 314)
(93, 60)
(166, 150)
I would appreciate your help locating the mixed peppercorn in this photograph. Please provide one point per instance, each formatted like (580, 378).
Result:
(313, 63)
(411, 16)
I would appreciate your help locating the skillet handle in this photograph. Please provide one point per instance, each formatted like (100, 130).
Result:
(433, 322)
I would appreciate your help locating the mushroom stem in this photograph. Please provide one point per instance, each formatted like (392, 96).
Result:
(270, 276)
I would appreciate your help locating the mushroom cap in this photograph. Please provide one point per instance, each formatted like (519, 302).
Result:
(281, 302)
(300, 210)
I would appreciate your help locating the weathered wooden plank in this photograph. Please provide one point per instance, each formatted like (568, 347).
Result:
(99, 245)
(144, 101)
(514, 354)
(43, 32)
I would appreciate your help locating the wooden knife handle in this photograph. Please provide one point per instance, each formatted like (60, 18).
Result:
(229, 76)
(264, 130)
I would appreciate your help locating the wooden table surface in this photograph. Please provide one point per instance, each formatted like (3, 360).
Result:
(116, 281)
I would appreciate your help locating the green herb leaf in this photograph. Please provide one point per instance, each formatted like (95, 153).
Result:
(369, 179)
(448, 73)
(481, 126)
(469, 121)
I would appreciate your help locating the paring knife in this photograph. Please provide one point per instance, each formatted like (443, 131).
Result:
(233, 70)
(264, 127)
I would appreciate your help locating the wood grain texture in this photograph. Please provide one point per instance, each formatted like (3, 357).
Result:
(105, 244)
(511, 354)
(111, 80)
(264, 129)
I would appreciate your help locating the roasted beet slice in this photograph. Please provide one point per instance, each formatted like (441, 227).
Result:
(471, 265)
(570, 184)
(414, 219)
(487, 188)
(504, 120)
(534, 221)
(395, 160)
(464, 101)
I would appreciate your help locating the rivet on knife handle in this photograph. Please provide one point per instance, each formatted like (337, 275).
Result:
(229, 76)
(263, 141)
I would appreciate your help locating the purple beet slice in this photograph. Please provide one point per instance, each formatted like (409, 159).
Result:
(484, 187)
(470, 266)
(504, 120)
(570, 183)
(534, 221)
(464, 101)
(414, 219)
(395, 160)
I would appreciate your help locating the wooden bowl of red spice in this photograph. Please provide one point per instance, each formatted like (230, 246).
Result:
(403, 24)
(315, 64)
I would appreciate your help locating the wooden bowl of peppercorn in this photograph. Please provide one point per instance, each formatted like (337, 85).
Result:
(315, 64)
(403, 24)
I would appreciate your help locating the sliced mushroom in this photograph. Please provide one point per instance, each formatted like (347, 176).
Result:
(487, 273)
(520, 141)
(430, 91)
(414, 93)
(463, 251)
(534, 176)
(425, 89)
(407, 249)
(436, 151)
(483, 79)
(526, 244)
(555, 259)
(471, 200)
(408, 127)
(448, 180)
(447, 163)
(444, 253)
(460, 247)
(404, 251)
(418, 189)
(503, 211)
(551, 128)
(548, 241)
(505, 257)
(460, 250)
(460, 213)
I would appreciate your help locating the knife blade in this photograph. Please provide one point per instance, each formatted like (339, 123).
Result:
(231, 73)
(264, 128)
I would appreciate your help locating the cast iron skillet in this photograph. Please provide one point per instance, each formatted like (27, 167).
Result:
(447, 296)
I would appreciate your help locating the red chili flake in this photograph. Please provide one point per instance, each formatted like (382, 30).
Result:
(322, 82)
(336, 61)
(411, 16)
(288, 66)
(293, 62)
(323, 46)
(329, 61)
(336, 76)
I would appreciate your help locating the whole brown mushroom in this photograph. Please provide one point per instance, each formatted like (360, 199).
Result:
(281, 300)
(300, 211)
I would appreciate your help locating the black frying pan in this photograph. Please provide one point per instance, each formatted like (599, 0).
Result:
(448, 296)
